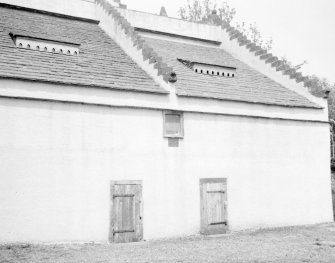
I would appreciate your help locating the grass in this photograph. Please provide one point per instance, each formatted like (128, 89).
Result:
(314, 243)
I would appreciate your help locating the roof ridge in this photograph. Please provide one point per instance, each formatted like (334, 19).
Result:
(274, 61)
(147, 52)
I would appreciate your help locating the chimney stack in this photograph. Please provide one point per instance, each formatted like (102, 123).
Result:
(163, 11)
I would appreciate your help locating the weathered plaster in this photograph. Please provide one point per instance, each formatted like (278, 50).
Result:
(109, 97)
(57, 161)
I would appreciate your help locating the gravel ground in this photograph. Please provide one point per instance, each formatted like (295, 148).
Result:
(290, 244)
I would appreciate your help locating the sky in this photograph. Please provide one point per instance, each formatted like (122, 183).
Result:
(300, 29)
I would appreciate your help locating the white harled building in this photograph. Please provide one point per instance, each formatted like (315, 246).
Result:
(120, 126)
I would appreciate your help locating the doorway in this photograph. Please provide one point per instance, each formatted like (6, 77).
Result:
(213, 206)
(126, 220)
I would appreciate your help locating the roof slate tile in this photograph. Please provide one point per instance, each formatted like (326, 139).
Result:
(101, 62)
(248, 85)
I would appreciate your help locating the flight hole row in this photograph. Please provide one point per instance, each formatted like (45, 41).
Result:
(209, 72)
(61, 51)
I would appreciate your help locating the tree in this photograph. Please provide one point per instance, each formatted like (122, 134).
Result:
(321, 84)
(318, 86)
(252, 33)
(203, 11)
(331, 103)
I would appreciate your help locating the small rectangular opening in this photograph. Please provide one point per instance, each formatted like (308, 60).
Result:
(173, 124)
(45, 45)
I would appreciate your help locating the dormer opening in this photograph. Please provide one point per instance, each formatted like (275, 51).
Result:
(52, 46)
(208, 69)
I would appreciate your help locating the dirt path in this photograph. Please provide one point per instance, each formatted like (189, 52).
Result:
(292, 244)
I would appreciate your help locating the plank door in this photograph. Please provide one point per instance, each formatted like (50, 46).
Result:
(126, 212)
(213, 206)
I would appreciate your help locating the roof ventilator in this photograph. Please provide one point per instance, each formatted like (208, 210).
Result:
(44, 45)
(209, 69)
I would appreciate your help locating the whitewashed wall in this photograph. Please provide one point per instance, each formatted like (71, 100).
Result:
(57, 160)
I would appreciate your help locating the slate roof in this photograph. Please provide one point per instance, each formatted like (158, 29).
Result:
(248, 85)
(101, 62)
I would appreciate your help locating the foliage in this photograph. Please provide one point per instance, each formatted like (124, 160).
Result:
(318, 86)
(202, 11)
(192, 11)
(251, 32)
(332, 167)
(331, 102)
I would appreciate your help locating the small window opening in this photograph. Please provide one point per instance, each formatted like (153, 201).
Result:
(45, 45)
(173, 124)
(203, 68)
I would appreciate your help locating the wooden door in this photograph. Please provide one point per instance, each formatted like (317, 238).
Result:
(213, 206)
(126, 212)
